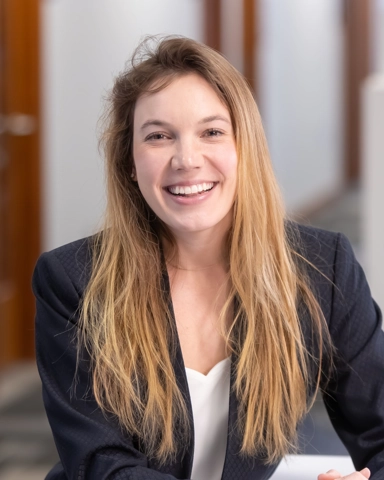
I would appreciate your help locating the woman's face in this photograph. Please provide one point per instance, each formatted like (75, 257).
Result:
(185, 156)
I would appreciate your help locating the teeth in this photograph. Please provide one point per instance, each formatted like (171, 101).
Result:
(192, 189)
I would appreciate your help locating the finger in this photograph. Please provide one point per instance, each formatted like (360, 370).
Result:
(365, 472)
(330, 475)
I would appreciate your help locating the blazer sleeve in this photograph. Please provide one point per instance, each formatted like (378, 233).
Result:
(90, 444)
(354, 396)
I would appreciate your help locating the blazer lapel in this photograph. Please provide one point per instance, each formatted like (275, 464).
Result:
(237, 467)
(182, 467)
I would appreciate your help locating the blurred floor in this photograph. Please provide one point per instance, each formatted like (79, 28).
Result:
(27, 449)
(343, 215)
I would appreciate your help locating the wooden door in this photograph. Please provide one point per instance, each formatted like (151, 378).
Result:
(19, 175)
(250, 32)
(357, 27)
(251, 43)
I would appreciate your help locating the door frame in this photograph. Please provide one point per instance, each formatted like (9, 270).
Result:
(357, 66)
(213, 30)
(21, 95)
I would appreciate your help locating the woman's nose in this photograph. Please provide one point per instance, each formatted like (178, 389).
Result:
(186, 156)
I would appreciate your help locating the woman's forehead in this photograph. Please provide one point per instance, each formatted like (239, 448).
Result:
(189, 93)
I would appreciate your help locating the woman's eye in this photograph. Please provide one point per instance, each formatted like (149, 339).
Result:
(156, 136)
(212, 132)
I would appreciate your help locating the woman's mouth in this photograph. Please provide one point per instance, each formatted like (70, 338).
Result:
(189, 190)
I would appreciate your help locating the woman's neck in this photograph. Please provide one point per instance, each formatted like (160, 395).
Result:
(197, 252)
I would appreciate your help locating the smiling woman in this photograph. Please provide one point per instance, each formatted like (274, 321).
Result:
(189, 337)
(186, 161)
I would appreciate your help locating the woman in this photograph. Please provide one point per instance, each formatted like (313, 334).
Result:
(189, 337)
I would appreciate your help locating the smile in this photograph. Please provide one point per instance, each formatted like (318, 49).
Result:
(191, 189)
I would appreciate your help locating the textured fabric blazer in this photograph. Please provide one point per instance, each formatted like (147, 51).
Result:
(91, 445)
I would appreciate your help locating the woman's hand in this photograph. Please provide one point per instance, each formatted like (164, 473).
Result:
(334, 474)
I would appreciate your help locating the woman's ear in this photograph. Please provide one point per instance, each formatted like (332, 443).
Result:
(133, 174)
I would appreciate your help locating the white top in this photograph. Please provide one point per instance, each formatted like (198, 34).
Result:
(210, 406)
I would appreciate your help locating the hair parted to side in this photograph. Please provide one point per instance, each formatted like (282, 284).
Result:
(125, 320)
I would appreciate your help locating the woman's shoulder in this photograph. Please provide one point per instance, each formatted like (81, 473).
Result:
(333, 271)
(311, 238)
(321, 248)
(65, 268)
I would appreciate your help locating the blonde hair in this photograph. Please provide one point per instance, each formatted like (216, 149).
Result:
(126, 325)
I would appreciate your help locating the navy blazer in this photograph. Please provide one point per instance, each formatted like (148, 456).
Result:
(92, 446)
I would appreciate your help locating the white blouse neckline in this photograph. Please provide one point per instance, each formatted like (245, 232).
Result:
(215, 370)
(210, 407)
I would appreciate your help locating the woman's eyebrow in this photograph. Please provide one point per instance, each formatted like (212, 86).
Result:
(162, 123)
(212, 118)
(154, 122)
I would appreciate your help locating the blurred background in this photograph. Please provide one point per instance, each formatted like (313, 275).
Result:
(317, 71)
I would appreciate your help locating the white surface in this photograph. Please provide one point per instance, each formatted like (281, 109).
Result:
(301, 81)
(373, 184)
(210, 406)
(308, 467)
(84, 44)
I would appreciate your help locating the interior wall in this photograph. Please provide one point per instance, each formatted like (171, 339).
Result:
(373, 174)
(84, 45)
(372, 161)
(301, 98)
(378, 35)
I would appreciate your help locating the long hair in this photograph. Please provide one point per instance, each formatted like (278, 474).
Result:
(125, 321)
